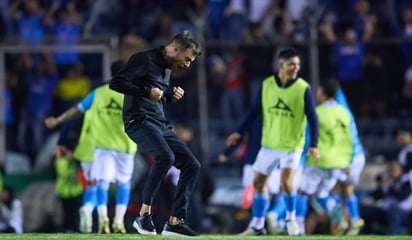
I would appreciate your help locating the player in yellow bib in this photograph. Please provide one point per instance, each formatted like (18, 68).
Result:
(113, 153)
(287, 105)
(336, 148)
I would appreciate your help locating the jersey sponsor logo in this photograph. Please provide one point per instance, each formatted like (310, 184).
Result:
(340, 124)
(282, 109)
(114, 105)
(112, 108)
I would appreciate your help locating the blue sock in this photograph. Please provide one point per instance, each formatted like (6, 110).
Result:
(260, 204)
(277, 204)
(323, 201)
(290, 203)
(302, 205)
(327, 203)
(123, 193)
(90, 195)
(102, 193)
(353, 207)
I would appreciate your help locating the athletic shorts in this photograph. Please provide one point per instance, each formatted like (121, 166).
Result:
(112, 166)
(319, 180)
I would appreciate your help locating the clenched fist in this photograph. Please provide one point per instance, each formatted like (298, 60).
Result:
(155, 94)
(178, 93)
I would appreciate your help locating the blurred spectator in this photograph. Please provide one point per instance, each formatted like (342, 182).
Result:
(130, 43)
(73, 87)
(69, 189)
(236, 20)
(42, 80)
(10, 119)
(105, 18)
(66, 30)
(11, 212)
(350, 52)
(197, 15)
(365, 21)
(258, 11)
(407, 32)
(404, 139)
(396, 192)
(406, 103)
(140, 18)
(277, 25)
(216, 69)
(233, 96)
(6, 27)
(216, 18)
(29, 18)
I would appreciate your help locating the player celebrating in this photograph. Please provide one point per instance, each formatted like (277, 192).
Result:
(287, 105)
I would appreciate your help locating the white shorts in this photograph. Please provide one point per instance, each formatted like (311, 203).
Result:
(269, 159)
(355, 169)
(111, 166)
(87, 170)
(319, 180)
(274, 180)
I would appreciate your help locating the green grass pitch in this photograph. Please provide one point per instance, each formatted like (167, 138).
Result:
(57, 236)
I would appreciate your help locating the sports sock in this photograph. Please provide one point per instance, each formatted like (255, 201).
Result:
(353, 207)
(260, 206)
(102, 193)
(290, 203)
(123, 193)
(90, 195)
(327, 203)
(277, 204)
(302, 202)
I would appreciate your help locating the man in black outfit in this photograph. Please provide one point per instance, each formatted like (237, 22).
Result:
(144, 81)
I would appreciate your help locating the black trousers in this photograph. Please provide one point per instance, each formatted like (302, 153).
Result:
(158, 140)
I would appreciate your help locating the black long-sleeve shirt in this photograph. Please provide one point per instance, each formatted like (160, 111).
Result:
(310, 112)
(143, 71)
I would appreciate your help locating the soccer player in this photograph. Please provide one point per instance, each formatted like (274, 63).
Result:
(287, 105)
(336, 148)
(145, 82)
(113, 152)
(350, 178)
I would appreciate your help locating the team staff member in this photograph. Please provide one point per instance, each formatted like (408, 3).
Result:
(144, 81)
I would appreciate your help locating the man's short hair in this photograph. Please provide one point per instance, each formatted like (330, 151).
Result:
(330, 86)
(287, 53)
(187, 40)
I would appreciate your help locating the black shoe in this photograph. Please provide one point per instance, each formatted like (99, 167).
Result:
(144, 224)
(180, 229)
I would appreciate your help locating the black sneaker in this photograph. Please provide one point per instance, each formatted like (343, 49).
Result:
(180, 229)
(144, 224)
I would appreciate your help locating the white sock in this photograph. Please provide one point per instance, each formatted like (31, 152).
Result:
(301, 224)
(120, 212)
(260, 223)
(88, 208)
(291, 215)
(102, 211)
